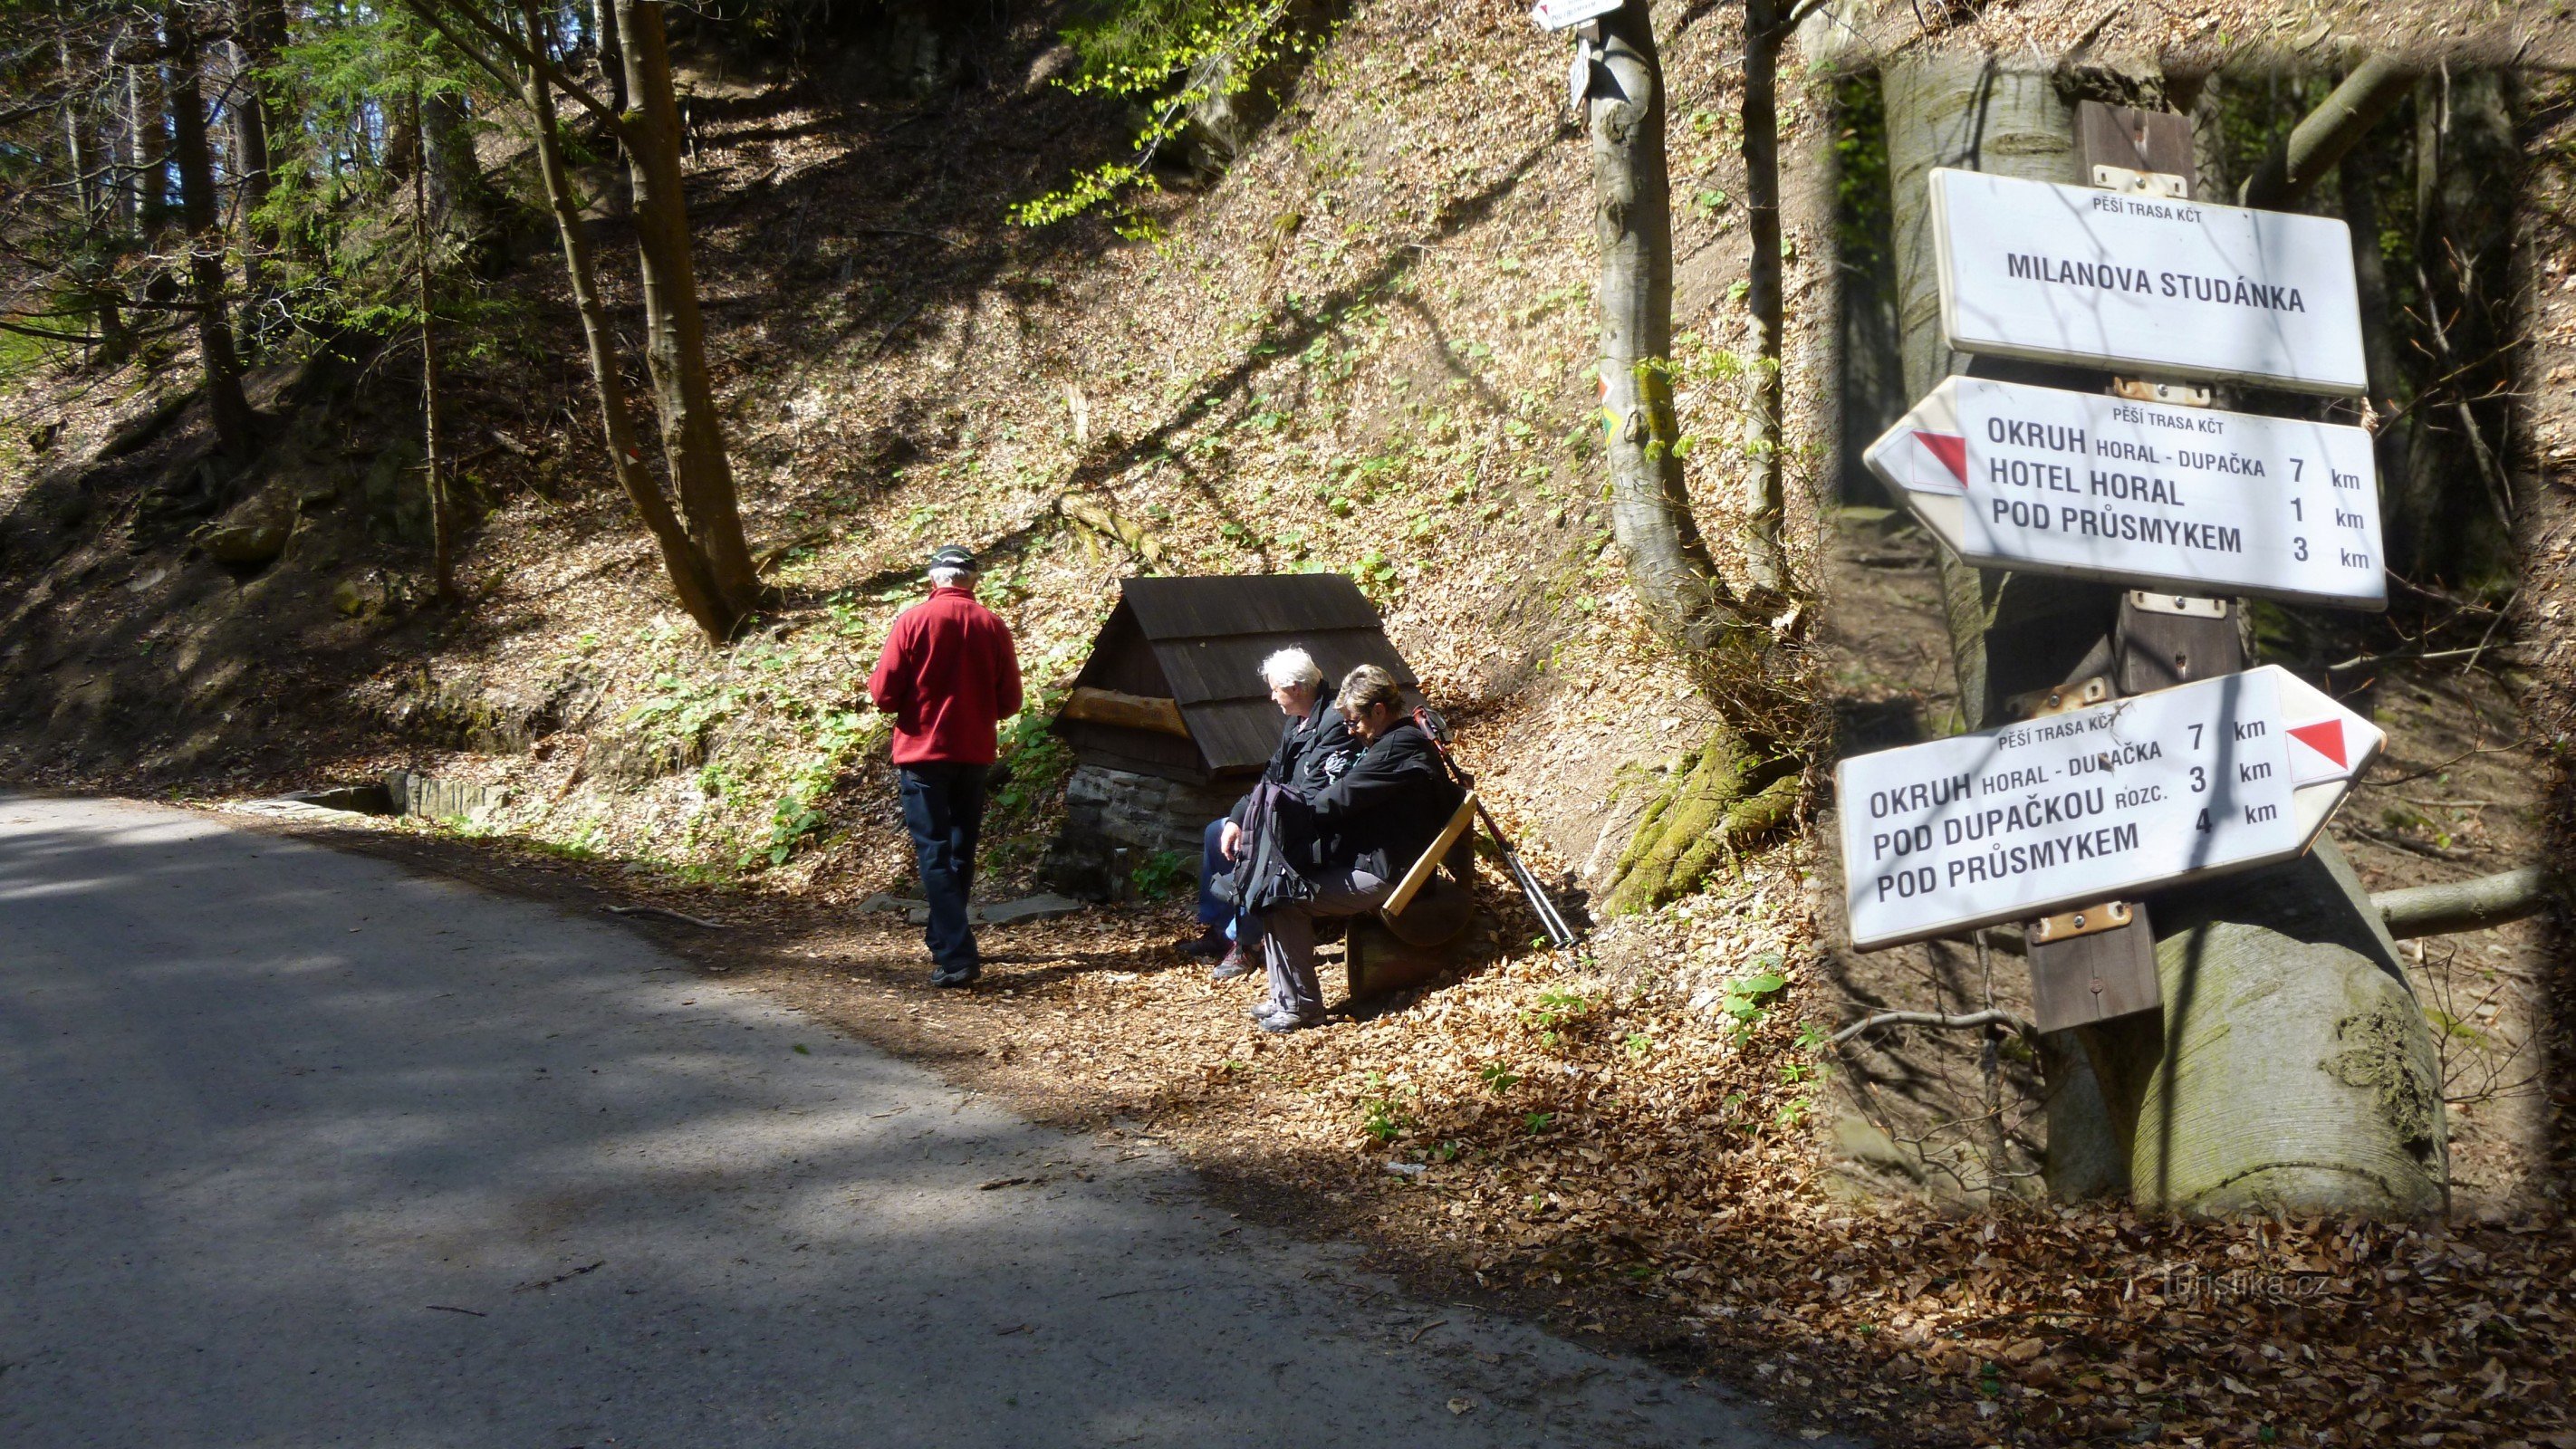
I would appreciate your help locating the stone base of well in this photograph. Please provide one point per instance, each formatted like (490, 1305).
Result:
(1106, 811)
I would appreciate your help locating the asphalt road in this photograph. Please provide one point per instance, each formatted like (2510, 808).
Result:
(297, 1148)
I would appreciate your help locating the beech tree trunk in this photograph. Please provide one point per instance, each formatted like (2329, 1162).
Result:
(1965, 113)
(675, 343)
(1650, 514)
(1726, 793)
(235, 429)
(2289, 1068)
(691, 577)
(76, 148)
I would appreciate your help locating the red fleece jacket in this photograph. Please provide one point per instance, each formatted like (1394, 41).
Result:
(949, 673)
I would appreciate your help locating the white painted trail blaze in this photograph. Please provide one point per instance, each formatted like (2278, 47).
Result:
(2095, 804)
(2168, 288)
(2186, 499)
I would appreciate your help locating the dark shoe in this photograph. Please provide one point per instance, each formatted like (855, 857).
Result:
(1207, 945)
(1285, 1022)
(964, 977)
(1235, 964)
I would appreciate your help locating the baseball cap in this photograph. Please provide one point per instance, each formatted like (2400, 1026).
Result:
(954, 557)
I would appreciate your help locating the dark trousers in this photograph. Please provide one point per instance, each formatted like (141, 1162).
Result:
(1213, 913)
(943, 806)
(1288, 937)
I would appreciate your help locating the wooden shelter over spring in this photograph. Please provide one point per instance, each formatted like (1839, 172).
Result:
(1173, 688)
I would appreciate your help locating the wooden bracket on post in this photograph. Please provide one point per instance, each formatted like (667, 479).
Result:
(2095, 961)
(2171, 394)
(2169, 639)
(2082, 921)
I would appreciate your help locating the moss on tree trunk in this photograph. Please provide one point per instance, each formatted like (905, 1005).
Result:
(1716, 804)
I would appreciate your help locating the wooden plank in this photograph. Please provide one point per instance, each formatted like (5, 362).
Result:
(1236, 733)
(1199, 607)
(2133, 140)
(2095, 977)
(1416, 878)
(1128, 711)
(2158, 650)
(1220, 668)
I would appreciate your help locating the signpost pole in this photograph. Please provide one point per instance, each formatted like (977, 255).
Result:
(2106, 968)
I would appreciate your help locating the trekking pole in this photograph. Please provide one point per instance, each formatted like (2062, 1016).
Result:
(1558, 932)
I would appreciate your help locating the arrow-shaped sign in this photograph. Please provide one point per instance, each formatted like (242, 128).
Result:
(2095, 804)
(1559, 14)
(2162, 288)
(2138, 493)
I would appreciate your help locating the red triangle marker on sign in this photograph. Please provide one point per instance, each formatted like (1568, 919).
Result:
(2325, 737)
(1951, 449)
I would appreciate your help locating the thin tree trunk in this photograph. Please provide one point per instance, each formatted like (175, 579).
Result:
(235, 428)
(675, 347)
(252, 54)
(2321, 138)
(612, 54)
(1668, 561)
(147, 140)
(442, 549)
(1766, 566)
(691, 579)
(75, 128)
(91, 190)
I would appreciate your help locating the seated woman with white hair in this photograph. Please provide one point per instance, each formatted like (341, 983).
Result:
(1315, 747)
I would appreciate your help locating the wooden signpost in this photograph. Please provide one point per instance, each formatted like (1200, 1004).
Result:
(2135, 276)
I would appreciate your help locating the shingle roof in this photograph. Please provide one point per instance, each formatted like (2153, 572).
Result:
(1207, 637)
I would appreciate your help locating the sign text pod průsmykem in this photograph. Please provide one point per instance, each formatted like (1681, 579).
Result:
(2162, 288)
(2188, 500)
(2096, 804)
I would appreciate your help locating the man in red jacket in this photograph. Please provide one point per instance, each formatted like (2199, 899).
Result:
(948, 675)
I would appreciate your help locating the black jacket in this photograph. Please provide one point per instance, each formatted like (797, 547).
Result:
(1385, 810)
(1312, 753)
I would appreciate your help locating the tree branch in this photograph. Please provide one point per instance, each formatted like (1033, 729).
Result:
(48, 334)
(2466, 905)
(430, 11)
(2320, 140)
(1993, 1016)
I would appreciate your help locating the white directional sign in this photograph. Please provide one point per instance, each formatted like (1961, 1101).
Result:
(2168, 289)
(2138, 493)
(1559, 14)
(2092, 805)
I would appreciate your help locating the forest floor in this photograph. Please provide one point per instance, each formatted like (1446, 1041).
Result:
(1362, 351)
